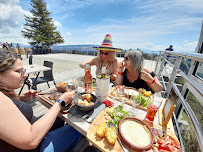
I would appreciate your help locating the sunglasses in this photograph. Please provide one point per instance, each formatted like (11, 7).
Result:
(126, 58)
(105, 53)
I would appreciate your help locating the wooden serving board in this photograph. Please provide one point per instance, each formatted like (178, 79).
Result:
(102, 143)
(46, 99)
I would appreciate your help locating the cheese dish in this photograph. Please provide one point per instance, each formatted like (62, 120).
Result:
(136, 133)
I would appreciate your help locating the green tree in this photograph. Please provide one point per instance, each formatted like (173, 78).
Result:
(39, 27)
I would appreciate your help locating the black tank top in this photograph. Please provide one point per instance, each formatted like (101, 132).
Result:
(139, 83)
(27, 111)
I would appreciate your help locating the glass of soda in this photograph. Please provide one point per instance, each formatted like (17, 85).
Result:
(153, 106)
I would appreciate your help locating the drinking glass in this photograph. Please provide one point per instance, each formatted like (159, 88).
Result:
(81, 87)
(134, 104)
(121, 95)
(31, 95)
(113, 93)
(89, 87)
(153, 106)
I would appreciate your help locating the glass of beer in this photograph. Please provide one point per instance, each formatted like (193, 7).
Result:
(153, 106)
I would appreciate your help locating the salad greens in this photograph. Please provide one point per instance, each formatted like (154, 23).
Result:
(141, 99)
(117, 115)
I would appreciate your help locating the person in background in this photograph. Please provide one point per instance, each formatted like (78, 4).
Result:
(106, 58)
(132, 73)
(11, 45)
(168, 49)
(18, 46)
(5, 46)
(19, 129)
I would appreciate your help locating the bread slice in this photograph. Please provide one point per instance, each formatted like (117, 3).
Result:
(88, 97)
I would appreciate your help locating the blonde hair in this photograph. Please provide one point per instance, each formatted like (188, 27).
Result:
(7, 59)
(112, 56)
(136, 60)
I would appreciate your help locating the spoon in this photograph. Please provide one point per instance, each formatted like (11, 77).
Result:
(124, 148)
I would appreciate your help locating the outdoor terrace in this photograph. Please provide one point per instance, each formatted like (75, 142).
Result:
(66, 67)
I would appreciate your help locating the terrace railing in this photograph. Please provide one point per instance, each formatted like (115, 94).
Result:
(193, 83)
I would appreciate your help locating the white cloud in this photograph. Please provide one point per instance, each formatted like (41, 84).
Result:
(11, 20)
(58, 24)
(68, 34)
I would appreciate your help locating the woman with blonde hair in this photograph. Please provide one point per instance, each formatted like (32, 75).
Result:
(106, 58)
(132, 73)
(19, 129)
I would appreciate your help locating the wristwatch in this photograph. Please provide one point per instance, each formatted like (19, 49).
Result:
(62, 103)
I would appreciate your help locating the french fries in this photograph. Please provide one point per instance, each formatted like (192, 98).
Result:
(62, 84)
(146, 93)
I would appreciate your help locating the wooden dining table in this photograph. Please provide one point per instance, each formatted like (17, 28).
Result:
(33, 69)
(89, 131)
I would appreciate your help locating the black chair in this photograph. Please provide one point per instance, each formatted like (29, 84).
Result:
(48, 76)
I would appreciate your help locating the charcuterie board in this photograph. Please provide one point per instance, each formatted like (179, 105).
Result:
(102, 143)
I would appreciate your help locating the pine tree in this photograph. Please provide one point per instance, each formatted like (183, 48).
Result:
(39, 27)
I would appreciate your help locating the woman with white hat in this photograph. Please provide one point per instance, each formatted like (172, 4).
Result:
(105, 58)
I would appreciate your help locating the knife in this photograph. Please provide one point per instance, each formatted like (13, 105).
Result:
(46, 93)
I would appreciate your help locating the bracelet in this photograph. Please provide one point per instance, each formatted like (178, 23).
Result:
(120, 73)
(152, 81)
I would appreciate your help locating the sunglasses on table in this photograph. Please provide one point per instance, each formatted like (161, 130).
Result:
(105, 53)
(126, 58)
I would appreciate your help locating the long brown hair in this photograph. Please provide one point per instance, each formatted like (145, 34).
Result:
(7, 59)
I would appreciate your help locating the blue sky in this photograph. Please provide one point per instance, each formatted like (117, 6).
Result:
(145, 24)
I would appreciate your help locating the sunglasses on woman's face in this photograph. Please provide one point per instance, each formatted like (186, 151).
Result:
(105, 53)
(126, 58)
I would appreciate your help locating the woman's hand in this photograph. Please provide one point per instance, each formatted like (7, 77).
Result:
(121, 67)
(26, 96)
(146, 76)
(67, 97)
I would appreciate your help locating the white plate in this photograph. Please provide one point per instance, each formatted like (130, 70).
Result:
(131, 92)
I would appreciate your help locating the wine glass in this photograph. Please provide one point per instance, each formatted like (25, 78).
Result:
(89, 87)
(113, 93)
(134, 104)
(121, 95)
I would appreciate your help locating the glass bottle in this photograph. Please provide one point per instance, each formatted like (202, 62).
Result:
(88, 79)
(103, 73)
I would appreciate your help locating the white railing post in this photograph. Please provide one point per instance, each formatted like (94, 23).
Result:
(162, 64)
(157, 62)
(173, 75)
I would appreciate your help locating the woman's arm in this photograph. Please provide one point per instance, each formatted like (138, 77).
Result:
(119, 78)
(91, 62)
(17, 130)
(115, 69)
(26, 96)
(152, 82)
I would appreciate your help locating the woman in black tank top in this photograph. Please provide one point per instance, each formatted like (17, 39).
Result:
(131, 73)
